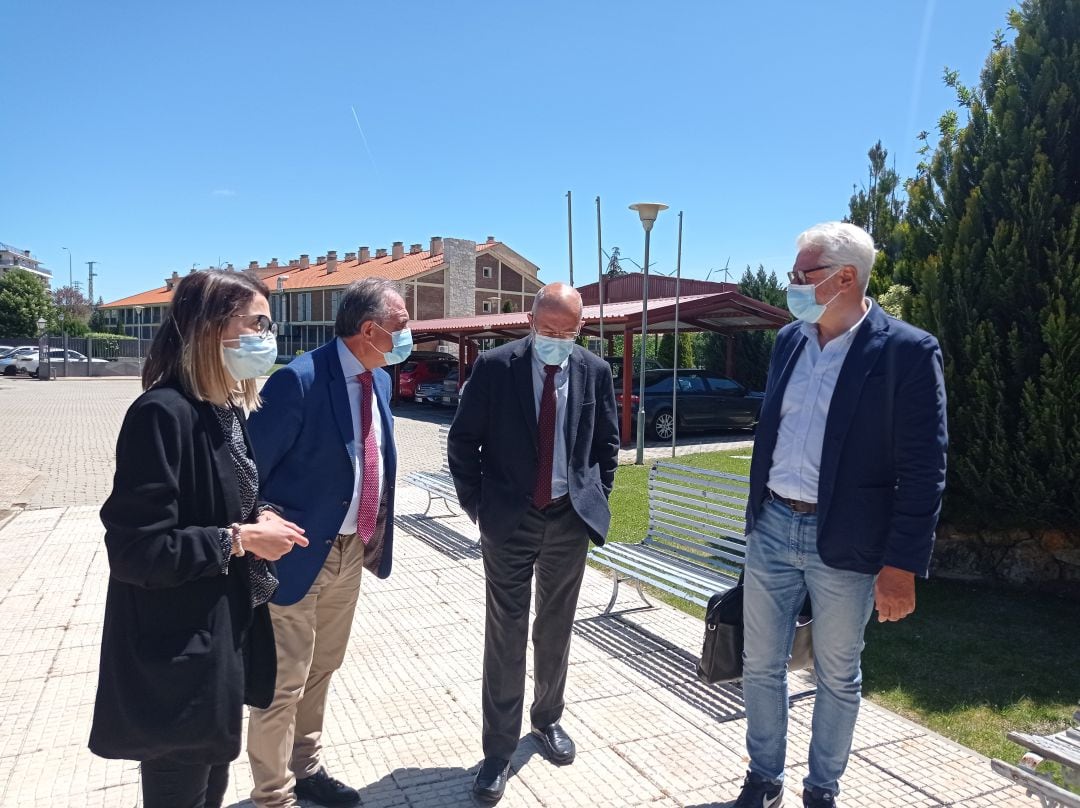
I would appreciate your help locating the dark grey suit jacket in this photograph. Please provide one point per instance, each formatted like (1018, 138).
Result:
(492, 451)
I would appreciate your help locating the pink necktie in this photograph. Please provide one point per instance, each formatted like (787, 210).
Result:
(545, 446)
(368, 511)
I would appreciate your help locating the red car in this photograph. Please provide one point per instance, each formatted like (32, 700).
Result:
(415, 372)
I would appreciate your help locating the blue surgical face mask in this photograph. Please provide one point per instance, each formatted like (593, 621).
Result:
(802, 300)
(254, 356)
(552, 351)
(403, 345)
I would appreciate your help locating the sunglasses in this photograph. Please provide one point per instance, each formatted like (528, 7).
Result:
(263, 324)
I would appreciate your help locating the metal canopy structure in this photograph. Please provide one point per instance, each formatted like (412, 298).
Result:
(727, 312)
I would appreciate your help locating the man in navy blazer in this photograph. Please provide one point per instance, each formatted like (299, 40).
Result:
(533, 450)
(846, 483)
(324, 445)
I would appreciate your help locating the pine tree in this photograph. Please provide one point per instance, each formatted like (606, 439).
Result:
(752, 348)
(992, 242)
(878, 210)
(666, 355)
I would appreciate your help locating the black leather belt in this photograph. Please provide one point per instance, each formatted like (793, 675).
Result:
(795, 504)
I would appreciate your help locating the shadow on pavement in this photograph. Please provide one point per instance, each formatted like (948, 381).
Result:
(439, 536)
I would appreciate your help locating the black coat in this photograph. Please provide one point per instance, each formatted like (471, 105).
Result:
(182, 649)
(491, 447)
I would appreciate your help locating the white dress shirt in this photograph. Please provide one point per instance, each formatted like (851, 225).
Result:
(559, 462)
(796, 459)
(353, 367)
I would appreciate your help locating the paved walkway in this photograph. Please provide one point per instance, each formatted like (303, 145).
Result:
(404, 719)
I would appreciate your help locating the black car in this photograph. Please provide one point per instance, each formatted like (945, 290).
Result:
(705, 400)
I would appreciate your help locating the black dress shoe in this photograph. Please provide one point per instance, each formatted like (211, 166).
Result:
(490, 782)
(557, 745)
(325, 790)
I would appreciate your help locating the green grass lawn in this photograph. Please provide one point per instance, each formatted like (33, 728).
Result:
(971, 663)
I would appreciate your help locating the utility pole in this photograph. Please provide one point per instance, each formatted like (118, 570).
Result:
(570, 233)
(90, 285)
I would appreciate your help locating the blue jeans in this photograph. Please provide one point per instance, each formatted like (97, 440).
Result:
(782, 565)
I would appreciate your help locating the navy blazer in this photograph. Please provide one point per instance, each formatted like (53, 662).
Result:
(491, 448)
(883, 457)
(305, 449)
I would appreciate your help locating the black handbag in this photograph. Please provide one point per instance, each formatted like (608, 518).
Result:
(721, 652)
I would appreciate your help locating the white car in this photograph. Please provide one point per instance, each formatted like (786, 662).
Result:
(28, 363)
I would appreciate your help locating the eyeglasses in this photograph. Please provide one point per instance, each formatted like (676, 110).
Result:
(799, 275)
(263, 324)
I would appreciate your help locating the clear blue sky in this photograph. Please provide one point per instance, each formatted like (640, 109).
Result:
(150, 136)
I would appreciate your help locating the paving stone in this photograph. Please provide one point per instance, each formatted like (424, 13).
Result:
(404, 718)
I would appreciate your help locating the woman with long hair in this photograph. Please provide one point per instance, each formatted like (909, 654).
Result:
(187, 639)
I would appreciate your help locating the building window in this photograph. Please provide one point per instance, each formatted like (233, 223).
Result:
(303, 306)
(487, 272)
(335, 303)
(487, 306)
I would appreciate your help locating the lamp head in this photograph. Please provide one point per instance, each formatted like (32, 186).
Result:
(647, 212)
(41, 323)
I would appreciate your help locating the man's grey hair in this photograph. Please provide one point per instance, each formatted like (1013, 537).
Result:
(841, 244)
(362, 301)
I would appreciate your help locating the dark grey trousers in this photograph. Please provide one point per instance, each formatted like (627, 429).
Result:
(553, 544)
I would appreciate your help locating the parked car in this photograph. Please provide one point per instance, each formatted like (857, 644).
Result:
(417, 370)
(429, 392)
(28, 363)
(450, 392)
(8, 365)
(705, 400)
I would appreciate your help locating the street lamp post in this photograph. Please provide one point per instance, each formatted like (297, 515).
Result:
(139, 311)
(43, 350)
(647, 212)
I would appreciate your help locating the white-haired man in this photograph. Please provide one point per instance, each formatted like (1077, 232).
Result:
(845, 490)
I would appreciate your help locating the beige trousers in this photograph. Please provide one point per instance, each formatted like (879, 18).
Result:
(285, 739)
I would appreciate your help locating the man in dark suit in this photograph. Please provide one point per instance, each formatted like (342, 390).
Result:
(324, 443)
(845, 489)
(533, 451)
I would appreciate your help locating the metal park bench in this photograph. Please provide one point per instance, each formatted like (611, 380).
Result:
(1063, 748)
(436, 484)
(694, 546)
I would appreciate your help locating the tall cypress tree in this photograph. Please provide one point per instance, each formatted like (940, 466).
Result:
(992, 238)
(752, 348)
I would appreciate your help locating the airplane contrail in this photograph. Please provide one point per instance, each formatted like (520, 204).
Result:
(920, 66)
(364, 138)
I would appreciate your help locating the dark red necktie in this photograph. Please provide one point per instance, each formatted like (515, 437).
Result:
(368, 511)
(545, 448)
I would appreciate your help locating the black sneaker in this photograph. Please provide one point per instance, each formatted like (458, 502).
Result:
(818, 798)
(326, 790)
(757, 792)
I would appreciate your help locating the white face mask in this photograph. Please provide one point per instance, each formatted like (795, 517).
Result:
(802, 300)
(552, 350)
(253, 357)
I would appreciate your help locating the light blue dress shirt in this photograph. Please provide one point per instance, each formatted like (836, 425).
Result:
(559, 461)
(353, 367)
(796, 459)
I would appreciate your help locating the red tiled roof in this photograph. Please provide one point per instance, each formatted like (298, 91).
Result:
(315, 275)
(743, 311)
(155, 297)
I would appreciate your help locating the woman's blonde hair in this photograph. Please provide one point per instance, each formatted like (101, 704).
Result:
(187, 347)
